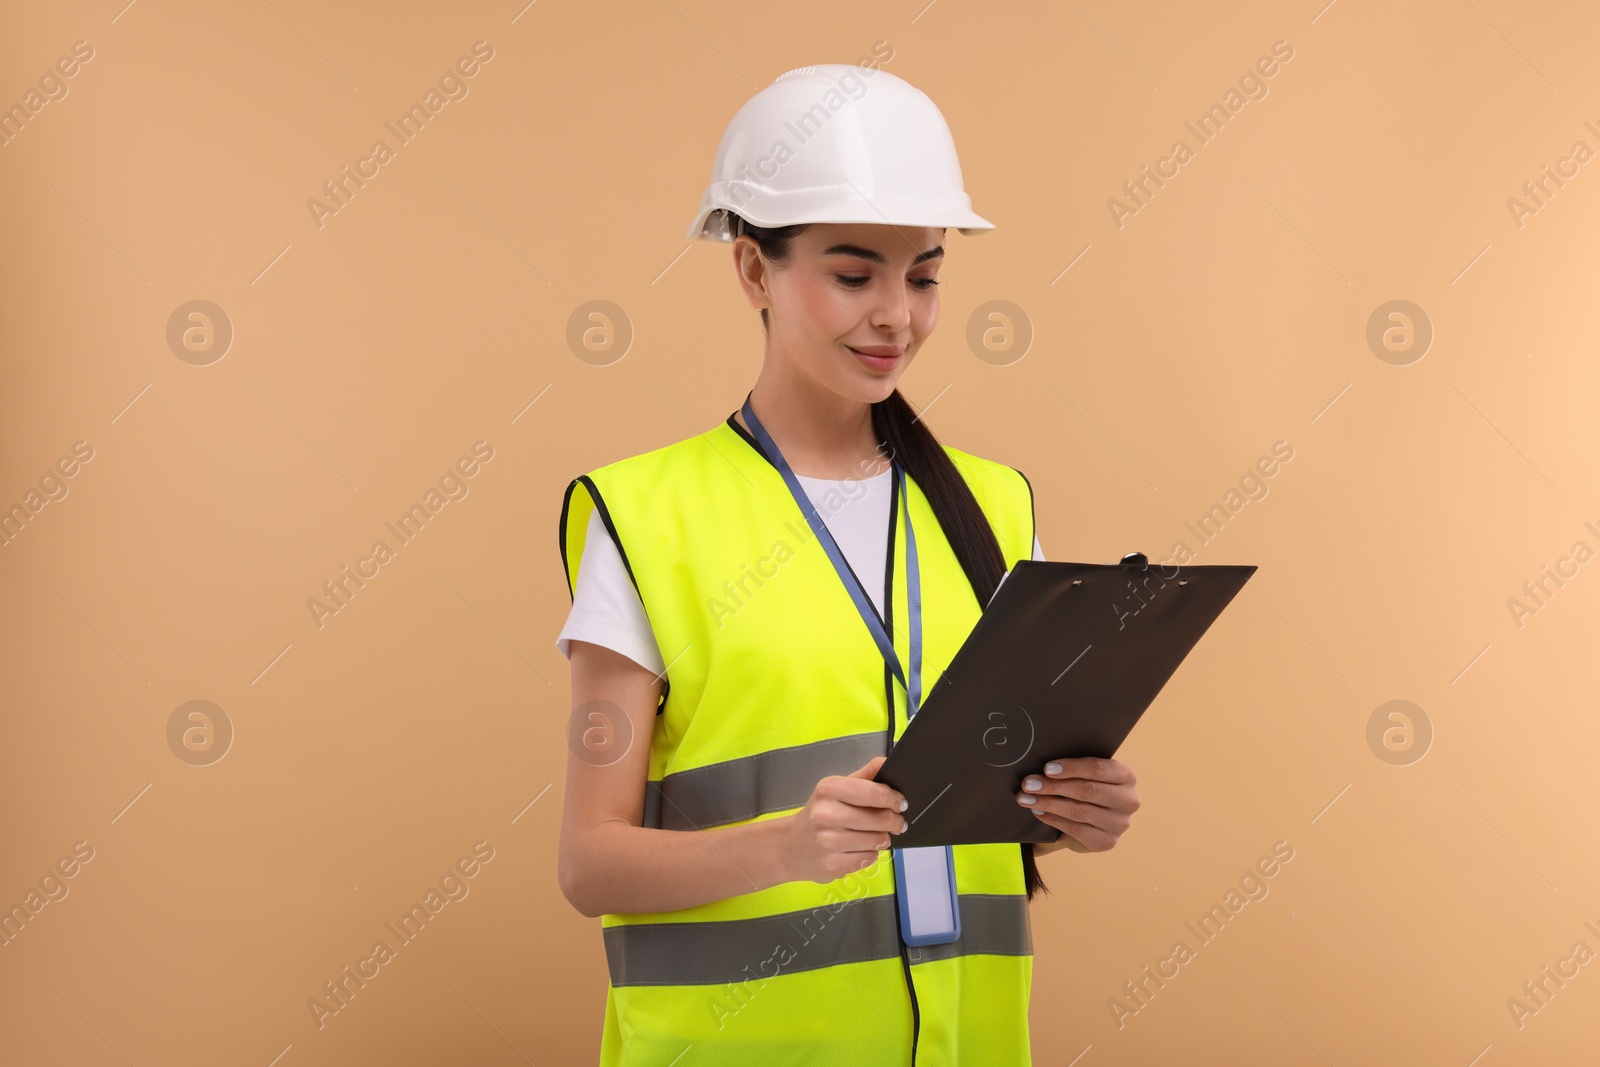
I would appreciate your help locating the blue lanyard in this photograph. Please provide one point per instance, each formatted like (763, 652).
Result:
(852, 586)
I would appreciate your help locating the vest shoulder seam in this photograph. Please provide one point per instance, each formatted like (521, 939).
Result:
(665, 454)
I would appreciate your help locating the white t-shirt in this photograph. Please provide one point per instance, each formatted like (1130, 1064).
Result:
(606, 609)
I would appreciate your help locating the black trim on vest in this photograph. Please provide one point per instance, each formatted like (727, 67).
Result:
(561, 535)
(751, 441)
(911, 987)
(605, 519)
(1033, 515)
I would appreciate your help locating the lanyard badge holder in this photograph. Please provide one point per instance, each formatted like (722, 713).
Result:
(924, 878)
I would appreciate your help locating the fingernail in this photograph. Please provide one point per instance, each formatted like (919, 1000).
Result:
(903, 825)
(904, 803)
(1025, 800)
(1052, 768)
(1030, 783)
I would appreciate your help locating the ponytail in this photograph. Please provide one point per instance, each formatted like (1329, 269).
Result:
(910, 441)
(965, 525)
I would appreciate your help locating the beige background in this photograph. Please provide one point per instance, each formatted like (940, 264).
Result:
(432, 311)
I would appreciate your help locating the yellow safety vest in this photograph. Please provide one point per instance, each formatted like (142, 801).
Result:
(772, 684)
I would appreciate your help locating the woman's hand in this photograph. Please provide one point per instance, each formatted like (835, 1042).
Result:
(1091, 802)
(845, 824)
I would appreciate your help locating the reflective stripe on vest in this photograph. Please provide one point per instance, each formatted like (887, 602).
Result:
(718, 952)
(773, 684)
(741, 789)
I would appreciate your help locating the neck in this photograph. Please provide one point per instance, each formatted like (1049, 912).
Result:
(821, 434)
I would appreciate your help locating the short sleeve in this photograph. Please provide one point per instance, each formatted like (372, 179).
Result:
(606, 609)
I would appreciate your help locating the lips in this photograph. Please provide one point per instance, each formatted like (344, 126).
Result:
(869, 358)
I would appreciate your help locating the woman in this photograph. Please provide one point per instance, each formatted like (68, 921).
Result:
(757, 611)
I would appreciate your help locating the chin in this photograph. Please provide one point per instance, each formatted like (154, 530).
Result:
(868, 388)
(884, 388)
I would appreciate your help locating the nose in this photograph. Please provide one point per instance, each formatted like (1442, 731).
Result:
(892, 311)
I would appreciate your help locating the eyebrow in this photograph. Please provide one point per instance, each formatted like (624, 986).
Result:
(877, 257)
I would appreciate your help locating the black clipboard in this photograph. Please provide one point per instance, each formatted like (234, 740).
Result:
(1064, 660)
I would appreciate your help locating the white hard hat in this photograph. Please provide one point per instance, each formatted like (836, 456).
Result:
(836, 143)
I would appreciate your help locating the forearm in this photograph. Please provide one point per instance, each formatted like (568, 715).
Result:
(620, 868)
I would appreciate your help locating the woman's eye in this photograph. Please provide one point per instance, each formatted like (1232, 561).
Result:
(856, 281)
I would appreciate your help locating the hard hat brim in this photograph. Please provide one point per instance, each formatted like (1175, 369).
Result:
(711, 224)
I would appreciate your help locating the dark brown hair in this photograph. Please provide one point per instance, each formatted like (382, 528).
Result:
(910, 441)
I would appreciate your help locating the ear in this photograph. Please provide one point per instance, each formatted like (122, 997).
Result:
(752, 271)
